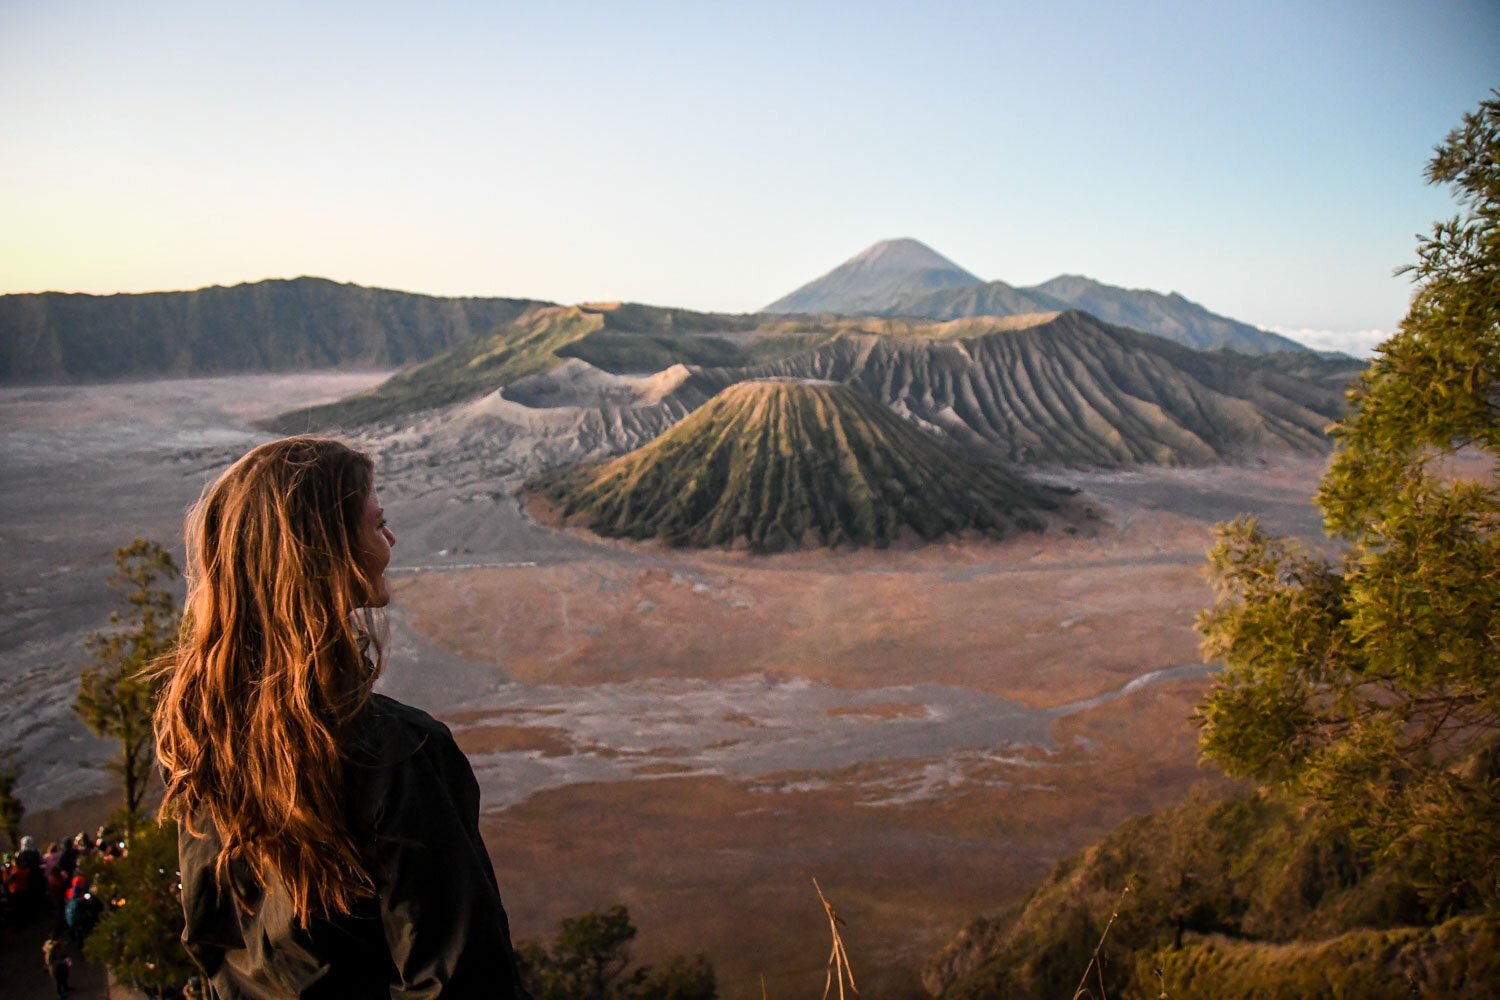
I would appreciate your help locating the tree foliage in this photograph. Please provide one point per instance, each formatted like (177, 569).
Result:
(116, 693)
(1252, 896)
(139, 936)
(11, 808)
(590, 959)
(1369, 682)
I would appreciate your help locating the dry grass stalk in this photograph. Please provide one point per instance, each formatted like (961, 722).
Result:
(1095, 964)
(838, 959)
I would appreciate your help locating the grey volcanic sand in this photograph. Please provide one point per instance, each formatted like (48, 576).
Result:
(764, 727)
(83, 470)
(86, 469)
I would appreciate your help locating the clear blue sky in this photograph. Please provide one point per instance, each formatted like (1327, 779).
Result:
(1263, 159)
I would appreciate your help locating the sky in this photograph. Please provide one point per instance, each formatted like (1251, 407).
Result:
(1265, 160)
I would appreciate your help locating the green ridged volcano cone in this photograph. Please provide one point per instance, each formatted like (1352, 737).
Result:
(775, 465)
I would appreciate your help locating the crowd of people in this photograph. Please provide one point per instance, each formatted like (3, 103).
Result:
(52, 885)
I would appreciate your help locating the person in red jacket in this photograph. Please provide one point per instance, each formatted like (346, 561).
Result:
(81, 910)
(57, 896)
(19, 883)
(329, 837)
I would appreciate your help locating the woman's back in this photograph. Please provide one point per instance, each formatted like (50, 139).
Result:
(436, 925)
(329, 837)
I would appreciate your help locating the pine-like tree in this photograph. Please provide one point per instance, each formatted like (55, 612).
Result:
(116, 694)
(1368, 683)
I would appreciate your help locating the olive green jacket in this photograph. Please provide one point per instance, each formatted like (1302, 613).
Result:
(436, 927)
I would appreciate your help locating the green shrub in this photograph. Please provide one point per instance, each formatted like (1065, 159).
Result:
(590, 957)
(1457, 959)
(139, 936)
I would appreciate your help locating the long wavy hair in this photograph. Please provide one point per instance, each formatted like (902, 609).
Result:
(275, 659)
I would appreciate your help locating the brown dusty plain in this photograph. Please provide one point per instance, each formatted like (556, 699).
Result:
(724, 864)
(716, 865)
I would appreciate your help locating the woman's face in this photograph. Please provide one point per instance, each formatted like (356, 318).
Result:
(373, 551)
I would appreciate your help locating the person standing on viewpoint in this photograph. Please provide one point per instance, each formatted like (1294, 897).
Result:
(329, 836)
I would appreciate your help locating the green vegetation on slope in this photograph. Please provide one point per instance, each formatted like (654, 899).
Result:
(1248, 896)
(628, 353)
(640, 339)
(523, 347)
(621, 338)
(1457, 959)
(779, 464)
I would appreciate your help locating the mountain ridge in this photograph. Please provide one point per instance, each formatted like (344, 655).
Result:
(279, 324)
(1058, 388)
(307, 322)
(900, 290)
(1172, 315)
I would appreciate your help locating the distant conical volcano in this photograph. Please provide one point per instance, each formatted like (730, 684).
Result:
(908, 278)
(779, 464)
(876, 279)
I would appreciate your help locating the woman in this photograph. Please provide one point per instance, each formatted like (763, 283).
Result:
(329, 837)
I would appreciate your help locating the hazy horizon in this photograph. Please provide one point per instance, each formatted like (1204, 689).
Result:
(1266, 163)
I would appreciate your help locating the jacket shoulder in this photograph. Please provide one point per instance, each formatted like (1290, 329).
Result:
(388, 732)
(399, 755)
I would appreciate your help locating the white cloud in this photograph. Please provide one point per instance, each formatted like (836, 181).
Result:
(1360, 343)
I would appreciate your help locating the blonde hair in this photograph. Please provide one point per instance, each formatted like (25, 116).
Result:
(272, 665)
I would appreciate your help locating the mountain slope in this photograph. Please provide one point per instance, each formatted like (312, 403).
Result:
(907, 278)
(1244, 897)
(875, 279)
(993, 298)
(522, 347)
(617, 338)
(1170, 316)
(781, 464)
(1052, 388)
(1073, 390)
(614, 337)
(264, 326)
